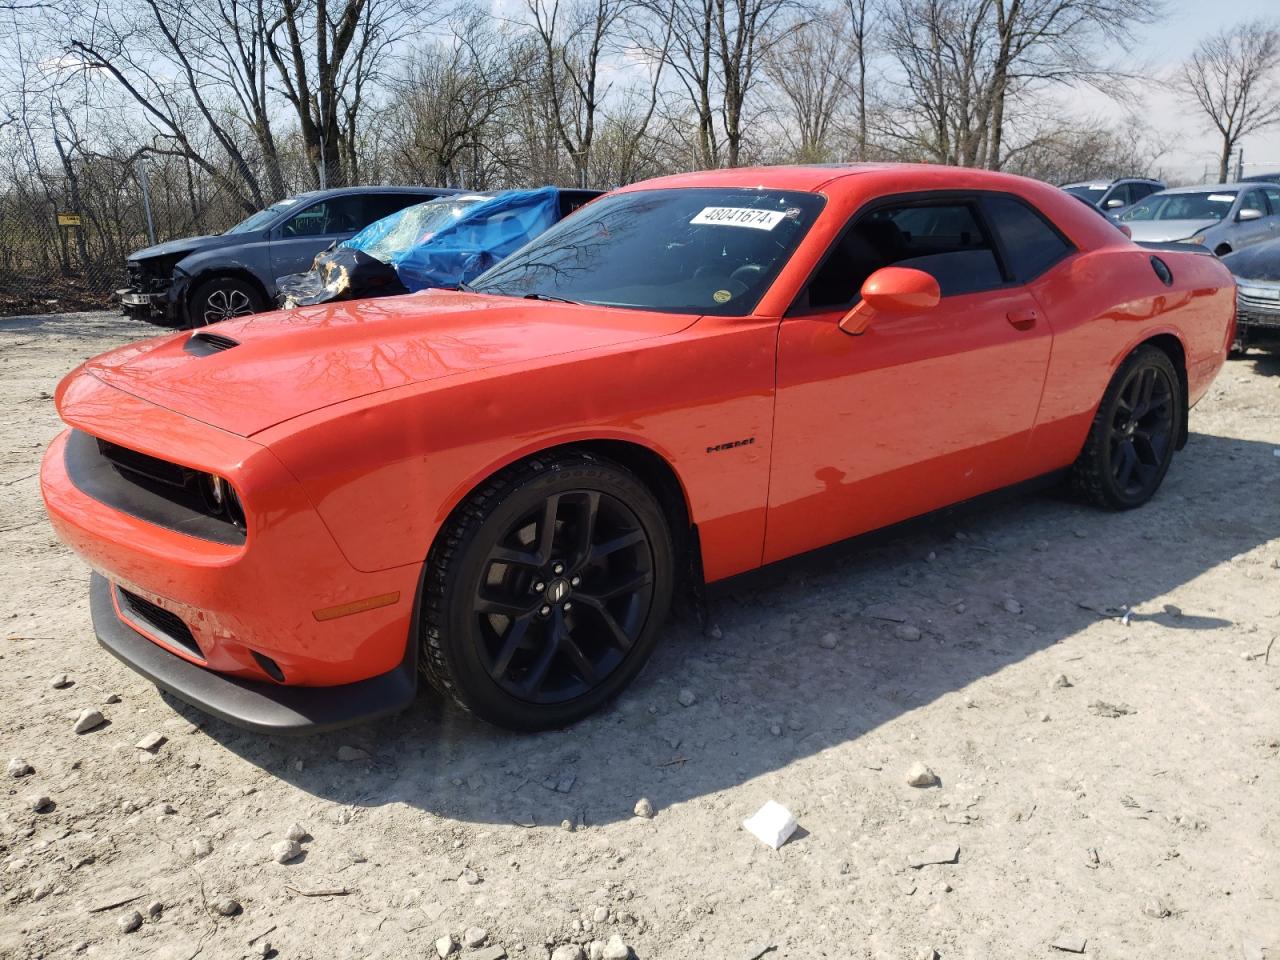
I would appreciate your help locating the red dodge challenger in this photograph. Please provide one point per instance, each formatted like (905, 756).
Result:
(501, 487)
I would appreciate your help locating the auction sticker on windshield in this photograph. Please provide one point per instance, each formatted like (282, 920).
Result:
(739, 217)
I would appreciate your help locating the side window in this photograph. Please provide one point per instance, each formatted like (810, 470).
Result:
(1273, 197)
(1142, 190)
(335, 215)
(1253, 200)
(379, 205)
(944, 240)
(1030, 244)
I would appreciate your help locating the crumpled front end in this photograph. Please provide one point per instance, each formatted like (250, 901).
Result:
(151, 293)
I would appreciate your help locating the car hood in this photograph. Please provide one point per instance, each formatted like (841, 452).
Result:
(1161, 230)
(273, 367)
(188, 245)
(1258, 262)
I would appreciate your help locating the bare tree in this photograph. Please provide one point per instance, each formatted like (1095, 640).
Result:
(441, 124)
(326, 58)
(715, 53)
(861, 26)
(808, 68)
(944, 51)
(1055, 42)
(1232, 78)
(573, 38)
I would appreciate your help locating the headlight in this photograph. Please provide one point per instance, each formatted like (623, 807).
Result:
(1198, 238)
(222, 499)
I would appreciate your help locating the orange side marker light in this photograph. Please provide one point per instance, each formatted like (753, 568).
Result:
(356, 606)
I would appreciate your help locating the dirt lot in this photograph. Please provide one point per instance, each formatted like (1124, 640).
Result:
(1147, 826)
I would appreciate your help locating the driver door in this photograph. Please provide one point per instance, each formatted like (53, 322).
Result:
(920, 411)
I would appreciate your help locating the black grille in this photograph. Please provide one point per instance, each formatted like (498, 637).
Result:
(155, 490)
(153, 468)
(1259, 311)
(167, 626)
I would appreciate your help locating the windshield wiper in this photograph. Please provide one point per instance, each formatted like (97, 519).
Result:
(547, 296)
(465, 287)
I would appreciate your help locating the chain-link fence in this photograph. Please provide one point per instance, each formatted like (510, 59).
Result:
(64, 240)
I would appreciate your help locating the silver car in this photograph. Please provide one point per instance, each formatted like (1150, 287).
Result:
(1221, 218)
(1113, 197)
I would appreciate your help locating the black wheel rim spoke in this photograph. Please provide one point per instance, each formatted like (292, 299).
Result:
(618, 636)
(515, 635)
(602, 550)
(564, 596)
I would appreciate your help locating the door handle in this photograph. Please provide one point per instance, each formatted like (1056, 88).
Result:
(1022, 319)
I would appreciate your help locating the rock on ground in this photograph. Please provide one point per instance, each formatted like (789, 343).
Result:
(89, 719)
(920, 775)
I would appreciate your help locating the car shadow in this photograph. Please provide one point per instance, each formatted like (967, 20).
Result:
(769, 692)
(1264, 362)
(94, 325)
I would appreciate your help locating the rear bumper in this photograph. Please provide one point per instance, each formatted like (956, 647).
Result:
(255, 705)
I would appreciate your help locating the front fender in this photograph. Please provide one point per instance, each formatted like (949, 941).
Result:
(385, 471)
(251, 261)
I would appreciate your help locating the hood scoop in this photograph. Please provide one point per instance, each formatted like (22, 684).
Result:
(203, 344)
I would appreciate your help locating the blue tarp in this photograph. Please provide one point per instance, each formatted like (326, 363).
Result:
(458, 247)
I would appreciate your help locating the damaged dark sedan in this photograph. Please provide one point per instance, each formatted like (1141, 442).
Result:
(196, 281)
(442, 243)
(1257, 273)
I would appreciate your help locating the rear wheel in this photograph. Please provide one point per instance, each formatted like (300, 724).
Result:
(1134, 432)
(223, 298)
(546, 591)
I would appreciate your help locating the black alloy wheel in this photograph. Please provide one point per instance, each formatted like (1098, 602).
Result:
(1142, 436)
(546, 591)
(1134, 433)
(566, 594)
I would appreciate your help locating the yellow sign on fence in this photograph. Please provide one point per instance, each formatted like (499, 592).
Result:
(68, 219)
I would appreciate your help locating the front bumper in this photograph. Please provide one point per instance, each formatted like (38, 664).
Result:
(158, 308)
(255, 705)
(283, 611)
(1257, 313)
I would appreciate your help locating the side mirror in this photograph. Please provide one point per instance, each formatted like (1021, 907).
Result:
(892, 290)
(1113, 203)
(1249, 213)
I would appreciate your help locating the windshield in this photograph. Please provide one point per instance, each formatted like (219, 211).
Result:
(705, 251)
(263, 217)
(392, 235)
(1210, 205)
(1086, 192)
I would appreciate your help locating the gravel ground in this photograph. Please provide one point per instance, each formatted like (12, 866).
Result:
(1130, 809)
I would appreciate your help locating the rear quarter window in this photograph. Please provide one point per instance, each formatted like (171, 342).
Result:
(1031, 245)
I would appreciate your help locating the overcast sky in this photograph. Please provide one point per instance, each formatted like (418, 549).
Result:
(1166, 44)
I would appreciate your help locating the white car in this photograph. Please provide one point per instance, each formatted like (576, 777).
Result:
(1220, 218)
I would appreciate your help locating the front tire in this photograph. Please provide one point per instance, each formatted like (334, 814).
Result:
(223, 298)
(1134, 433)
(546, 591)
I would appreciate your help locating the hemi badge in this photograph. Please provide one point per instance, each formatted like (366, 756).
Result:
(356, 606)
(731, 445)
